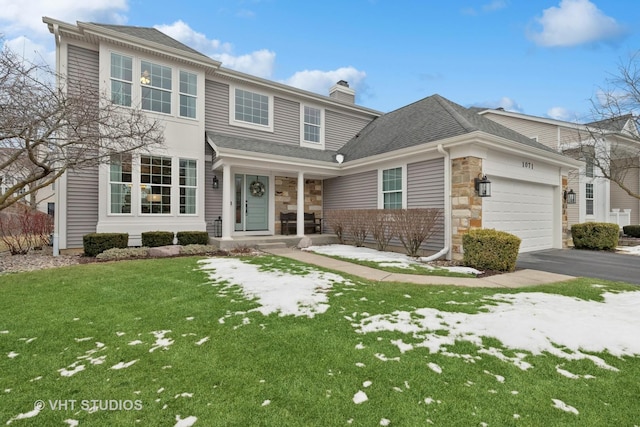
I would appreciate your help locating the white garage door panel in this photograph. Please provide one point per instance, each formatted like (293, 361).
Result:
(521, 208)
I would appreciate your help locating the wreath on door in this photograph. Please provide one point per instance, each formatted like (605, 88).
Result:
(257, 189)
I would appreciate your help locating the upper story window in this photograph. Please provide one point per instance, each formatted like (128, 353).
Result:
(312, 128)
(251, 109)
(188, 93)
(121, 79)
(392, 192)
(589, 162)
(155, 81)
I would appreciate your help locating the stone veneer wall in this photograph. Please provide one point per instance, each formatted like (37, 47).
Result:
(287, 197)
(466, 207)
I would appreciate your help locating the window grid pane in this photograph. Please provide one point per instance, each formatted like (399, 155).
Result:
(188, 184)
(252, 107)
(312, 123)
(155, 187)
(120, 183)
(156, 87)
(188, 92)
(392, 188)
(121, 79)
(589, 199)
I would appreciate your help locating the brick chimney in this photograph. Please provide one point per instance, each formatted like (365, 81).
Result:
(342, 92)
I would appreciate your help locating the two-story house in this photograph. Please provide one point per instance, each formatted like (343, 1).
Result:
(598, 199)
(243, 149)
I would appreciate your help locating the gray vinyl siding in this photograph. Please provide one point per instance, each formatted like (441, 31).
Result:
(425, 189)
(358, 191)
(286, 116)
(621, 200)
(339, 127)
(212, 198)
(545, 133)
(82, 186)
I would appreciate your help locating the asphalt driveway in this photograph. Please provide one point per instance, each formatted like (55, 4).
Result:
(581, 263)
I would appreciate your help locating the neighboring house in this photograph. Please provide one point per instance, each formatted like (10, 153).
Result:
(598, 199)
(243, 149)
(43, 199)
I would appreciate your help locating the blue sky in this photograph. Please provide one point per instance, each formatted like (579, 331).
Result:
(546, 58)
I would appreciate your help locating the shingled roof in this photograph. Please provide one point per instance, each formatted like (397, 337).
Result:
(431, 119)
(151, 35)
(615, 124)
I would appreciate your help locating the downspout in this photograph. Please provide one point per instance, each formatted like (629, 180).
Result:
(447, 209)
(56, 215)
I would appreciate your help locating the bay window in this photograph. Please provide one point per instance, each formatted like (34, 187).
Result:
(155, 185)
(188, 186)
(120, 184)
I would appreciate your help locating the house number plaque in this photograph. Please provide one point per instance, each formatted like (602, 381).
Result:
(527, 165)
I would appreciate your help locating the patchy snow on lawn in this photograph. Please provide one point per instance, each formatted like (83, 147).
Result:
(385, 259)
(566, 327)
(275, 291)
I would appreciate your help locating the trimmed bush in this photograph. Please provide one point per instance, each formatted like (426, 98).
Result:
(96, 243)
(153, 239)
(631, 230)
(192, 238)
(595, 235)
(115, 254)
(197, 249)
(490, 250)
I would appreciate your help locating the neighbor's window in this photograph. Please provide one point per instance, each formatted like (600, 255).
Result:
(188, 93)
(188, 185)
(155, 81)
(312, 119)
(251, 109)
(120, 184)
(589, 166)
(155, 185)
(392, 188)
(121, 79)
(589, 199)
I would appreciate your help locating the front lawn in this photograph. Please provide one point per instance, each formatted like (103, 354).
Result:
(268, 341)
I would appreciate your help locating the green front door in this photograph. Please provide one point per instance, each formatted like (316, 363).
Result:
(252, 202)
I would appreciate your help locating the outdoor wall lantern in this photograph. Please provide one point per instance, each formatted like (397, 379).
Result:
(215, 182)
(570, 197)
(483, 186)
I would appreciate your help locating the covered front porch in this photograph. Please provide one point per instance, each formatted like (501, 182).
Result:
(250, 189)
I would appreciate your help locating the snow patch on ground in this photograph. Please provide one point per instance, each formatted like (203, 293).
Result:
(535, 322)
(275, 291)
(385, 259)
(123, 365)
(186, 422)
(29, 414)
(360, 397)
(629, 250)
(161, 341)
(559, 404)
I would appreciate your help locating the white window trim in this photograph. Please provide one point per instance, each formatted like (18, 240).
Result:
(304, 143)
(196, 187)
(248, 125)
(172, 92)
(178, 114)
(131, 191)
(404, 185)
(132, 82)
(172, 186)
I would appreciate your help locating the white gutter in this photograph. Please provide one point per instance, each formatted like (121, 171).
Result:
(447, 208)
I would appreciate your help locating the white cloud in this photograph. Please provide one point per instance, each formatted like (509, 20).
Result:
(573, 23)
(560, 113)
(494, 5)
(25, 16)
(259, 63)
(319, 81)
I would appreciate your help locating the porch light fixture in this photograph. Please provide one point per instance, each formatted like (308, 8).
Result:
(483, 186)
(339, 158)
(570, 197)
(215, 183)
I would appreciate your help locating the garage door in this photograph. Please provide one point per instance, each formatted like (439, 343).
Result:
(521, 208)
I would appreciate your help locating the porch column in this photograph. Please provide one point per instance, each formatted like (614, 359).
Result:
(300, 207)
(227, 208)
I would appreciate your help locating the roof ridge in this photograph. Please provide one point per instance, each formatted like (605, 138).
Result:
(456, 115)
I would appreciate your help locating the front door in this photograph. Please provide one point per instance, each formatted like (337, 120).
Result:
(251, 202)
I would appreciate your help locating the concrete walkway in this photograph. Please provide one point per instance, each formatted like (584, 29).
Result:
(516, 279)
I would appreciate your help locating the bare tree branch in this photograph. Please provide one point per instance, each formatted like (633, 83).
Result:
(49, 125)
